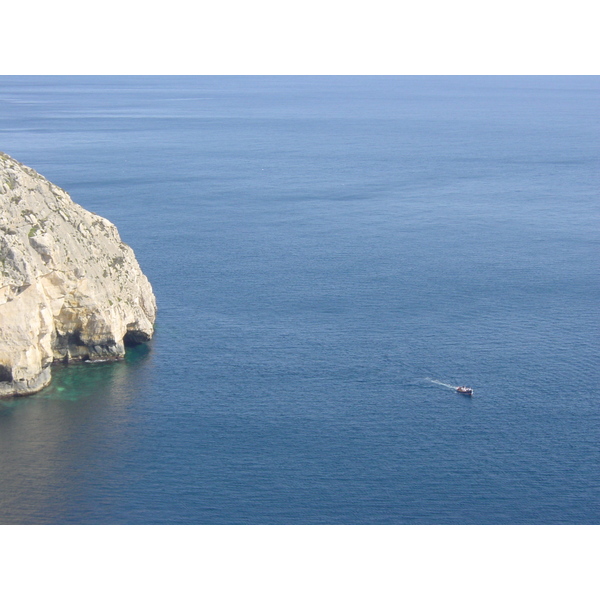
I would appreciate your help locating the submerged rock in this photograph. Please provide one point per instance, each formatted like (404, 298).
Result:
(70, 289)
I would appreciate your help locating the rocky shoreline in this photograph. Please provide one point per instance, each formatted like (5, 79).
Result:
(70, 289)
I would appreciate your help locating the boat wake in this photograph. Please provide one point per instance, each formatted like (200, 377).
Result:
(462, 389)
(452, 387)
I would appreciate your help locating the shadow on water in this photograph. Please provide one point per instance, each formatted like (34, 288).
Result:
(56, 444)
(76, 382)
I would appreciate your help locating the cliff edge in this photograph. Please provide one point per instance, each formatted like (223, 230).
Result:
(70, 289)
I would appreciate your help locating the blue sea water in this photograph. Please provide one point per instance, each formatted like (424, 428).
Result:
(329, 256)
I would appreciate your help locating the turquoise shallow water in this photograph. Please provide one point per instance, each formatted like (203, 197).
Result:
(326, 253)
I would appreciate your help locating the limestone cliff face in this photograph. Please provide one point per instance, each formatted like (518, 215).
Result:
(70, 289)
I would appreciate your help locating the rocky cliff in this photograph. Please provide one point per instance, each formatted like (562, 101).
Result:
(70, 289)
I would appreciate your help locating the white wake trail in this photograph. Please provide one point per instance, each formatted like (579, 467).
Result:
(452, 387)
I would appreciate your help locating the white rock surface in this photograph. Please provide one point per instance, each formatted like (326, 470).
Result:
(70, 289)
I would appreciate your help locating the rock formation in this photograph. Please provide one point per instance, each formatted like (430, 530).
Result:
(70, 289)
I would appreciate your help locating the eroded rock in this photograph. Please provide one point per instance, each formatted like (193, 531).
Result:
(70, 289)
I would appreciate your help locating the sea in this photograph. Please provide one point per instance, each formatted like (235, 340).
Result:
(331, 257)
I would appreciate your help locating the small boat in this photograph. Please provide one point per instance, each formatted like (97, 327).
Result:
(465, 390)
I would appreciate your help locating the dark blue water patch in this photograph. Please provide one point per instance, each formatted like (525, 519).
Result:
(323, 251)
